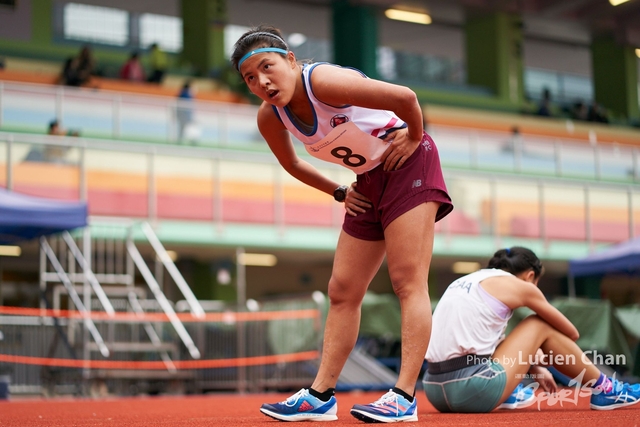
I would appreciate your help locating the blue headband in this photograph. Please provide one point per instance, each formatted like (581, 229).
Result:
(261, 50)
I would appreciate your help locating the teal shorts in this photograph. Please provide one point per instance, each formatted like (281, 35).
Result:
(476, 388)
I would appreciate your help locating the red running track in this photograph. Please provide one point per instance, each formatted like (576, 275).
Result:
(242, 410)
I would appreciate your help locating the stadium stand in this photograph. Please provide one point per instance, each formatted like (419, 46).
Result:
(566, 187)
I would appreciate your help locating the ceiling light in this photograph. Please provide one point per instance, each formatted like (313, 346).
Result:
(463, 267)
(296, 39)
(259, 260)
(10, 251)
(405, 15)
(617, 2)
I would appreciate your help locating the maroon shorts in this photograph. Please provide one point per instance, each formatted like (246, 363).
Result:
(393, 193)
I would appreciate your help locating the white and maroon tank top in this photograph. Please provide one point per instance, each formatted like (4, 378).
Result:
(349, 136)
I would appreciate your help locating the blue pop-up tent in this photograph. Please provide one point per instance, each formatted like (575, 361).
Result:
(621, 258)
(25, 217)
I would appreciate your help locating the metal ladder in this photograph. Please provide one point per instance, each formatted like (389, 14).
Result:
(101, 276)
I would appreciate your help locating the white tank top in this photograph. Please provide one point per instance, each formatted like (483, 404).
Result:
(467, 319)
(350, 136)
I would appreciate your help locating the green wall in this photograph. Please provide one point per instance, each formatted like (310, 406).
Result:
(203, 35)
(615, 76)
(494, 54)
(355, 36)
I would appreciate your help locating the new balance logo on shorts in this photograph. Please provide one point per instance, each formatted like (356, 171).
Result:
(416, 183)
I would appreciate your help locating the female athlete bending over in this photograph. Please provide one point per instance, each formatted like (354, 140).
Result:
(375, 129)
(471, 370)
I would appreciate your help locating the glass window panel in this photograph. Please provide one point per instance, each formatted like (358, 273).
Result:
(577, 160)
(472, 199)
(184, 188)
(537, 156)
(564, 212)
(518, 209)
(161, 29)
(231, 34)
(46, 170)
(96, 24)
(117, 183)
(536, 81)
(455, 147)
(609, 215)
(616, 162)
(248, 191)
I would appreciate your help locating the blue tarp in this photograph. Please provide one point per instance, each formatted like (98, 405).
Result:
(621, 258)
(26, 217)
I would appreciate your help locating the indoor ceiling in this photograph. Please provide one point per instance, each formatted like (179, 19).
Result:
(623, 21)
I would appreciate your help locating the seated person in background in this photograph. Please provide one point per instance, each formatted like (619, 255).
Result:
(132, 70)
(471, 370)
(544, 109)
(597, 113)
(87, 64)
(55, 129)
(580, 111)
(78, 70)
(56, 153)
(158, 61)
(70, 75)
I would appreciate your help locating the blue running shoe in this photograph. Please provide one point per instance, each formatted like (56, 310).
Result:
(621, 394)
(390, 408)
(520, 398)
(302, 407)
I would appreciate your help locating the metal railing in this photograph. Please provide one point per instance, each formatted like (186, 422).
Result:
(115, 115)
(231, 186)
(280, 348)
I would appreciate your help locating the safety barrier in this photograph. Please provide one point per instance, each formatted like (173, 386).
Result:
(274, 347)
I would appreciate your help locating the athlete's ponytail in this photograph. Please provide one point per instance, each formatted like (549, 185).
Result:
(516, 260)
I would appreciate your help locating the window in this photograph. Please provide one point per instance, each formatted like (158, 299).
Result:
(231, 35)
(96, 24)
(161, 29)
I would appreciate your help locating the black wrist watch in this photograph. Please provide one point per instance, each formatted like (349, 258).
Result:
(340, 193)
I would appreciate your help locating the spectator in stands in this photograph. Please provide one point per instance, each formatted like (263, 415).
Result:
(374, 129)
(86, 65)
(55, 129)
(132, 70)
(472, 367)
(184, 110)
(158, 62)
(69, 75)
(544, 108)
(580, 111)
(514, 144)
(78, 70)
(51, 153)
(597, 113)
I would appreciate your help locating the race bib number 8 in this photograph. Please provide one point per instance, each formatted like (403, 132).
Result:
(348, 146)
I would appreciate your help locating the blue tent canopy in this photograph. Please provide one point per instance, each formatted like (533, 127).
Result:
(620, 258)
(26, 217)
